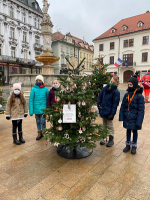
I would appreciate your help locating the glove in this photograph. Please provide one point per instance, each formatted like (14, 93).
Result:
(110, 117)
(25, 115)
(8, 118)
(99, 107)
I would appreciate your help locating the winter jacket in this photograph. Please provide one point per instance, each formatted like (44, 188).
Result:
(38, 99)
(133, 118)
(16, 111)
(51, 98)
(108, 99)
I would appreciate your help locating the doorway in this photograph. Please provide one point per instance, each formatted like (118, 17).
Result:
(127, 75)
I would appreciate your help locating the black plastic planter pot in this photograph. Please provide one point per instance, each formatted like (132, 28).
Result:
(78, 153)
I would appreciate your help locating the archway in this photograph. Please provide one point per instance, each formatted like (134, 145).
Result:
(127, 75)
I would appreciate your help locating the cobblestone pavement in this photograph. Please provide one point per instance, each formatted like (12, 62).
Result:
(34, 171)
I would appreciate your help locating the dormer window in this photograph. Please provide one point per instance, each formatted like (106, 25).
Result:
(124, 27)
(140, 24)
(113, 30)
(36, 6)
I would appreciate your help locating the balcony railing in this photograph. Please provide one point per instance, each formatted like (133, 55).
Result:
(38, 46)
(9, 59)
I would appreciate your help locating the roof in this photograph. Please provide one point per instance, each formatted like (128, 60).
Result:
(131, 24)
(78, 41)
(32, 4)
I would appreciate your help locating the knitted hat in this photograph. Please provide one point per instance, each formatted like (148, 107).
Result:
(40, 77)
(134, 81)
(17, 86)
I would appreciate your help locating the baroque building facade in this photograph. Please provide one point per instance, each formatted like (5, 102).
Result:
(127, 40)
(69, 46)
(20, 37)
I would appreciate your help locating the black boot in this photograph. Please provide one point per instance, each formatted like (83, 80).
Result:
(110, 142)
(126, 149)
(21, 138)
(40, 135)
(133, 150)
(17, 142)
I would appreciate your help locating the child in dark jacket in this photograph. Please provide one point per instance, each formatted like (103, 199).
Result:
(132, 113)
(51, 97)
(107, 103)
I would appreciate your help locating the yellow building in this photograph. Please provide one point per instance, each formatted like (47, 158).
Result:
(85, 51)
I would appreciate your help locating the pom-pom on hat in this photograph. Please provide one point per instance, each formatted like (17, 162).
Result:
(40, 77)
(17, 86)
(134, 81)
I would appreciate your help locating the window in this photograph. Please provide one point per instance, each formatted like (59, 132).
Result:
(87, 56)
(24, 17)
(67, 50)
(13, 52)
(62, 50)
(90, 57)
(144, 57)
(112, 45)
(0, 49)
(12, 32)
(125, 43)
(38, 24)
(25, 55)
(130, 59)
(124, 27)
(145, 39)
(11, 12)
(111, 60)
(84, 55)
(0, 28)
(101, 47)
(24, 36)
(131, 42)
(35, 22)
(140, 24)
(37, 40)
(36, 6)
(71, 51)
(80, 54)
(112, 30)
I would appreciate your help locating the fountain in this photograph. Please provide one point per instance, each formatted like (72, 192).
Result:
(47, 57)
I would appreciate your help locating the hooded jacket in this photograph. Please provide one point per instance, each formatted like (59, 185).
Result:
(38, 99)
(108, 99)
(133, 117)
(51, 97)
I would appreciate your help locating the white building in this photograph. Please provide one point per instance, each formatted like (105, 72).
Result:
(128, 39)
(20, 37)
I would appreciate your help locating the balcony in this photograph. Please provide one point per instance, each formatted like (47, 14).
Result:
(37, 46)
(11, 59)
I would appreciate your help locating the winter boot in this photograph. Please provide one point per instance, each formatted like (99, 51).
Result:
(40, 135)
(126, 149)
(17, 142)
(110, 142)
(21, 138)
(133, 150)
(103, 141)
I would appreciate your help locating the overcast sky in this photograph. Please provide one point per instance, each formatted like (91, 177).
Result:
(91, 18)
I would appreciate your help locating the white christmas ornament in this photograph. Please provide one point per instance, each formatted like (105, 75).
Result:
(60, 121)
(1, 106)
(56, 144)
(80, 131)
(83, 103)
(66, 136)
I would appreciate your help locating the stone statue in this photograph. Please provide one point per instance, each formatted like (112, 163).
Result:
(45, 6)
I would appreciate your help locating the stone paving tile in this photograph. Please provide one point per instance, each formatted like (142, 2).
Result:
(35, 171)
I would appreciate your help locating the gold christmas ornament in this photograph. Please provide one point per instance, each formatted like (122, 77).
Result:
(84, 128)
(60, 128)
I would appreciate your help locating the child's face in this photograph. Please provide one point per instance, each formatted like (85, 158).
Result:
(38, 80)
(55, 82)
(113, 81)
(130, 84)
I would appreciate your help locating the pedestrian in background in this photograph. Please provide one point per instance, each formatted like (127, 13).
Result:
(108, 101)
(37, 102)
(132, 113)
(16, 110)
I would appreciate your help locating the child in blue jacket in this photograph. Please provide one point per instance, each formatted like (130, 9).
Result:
(107, 103)
(132, 113)
(37, 102)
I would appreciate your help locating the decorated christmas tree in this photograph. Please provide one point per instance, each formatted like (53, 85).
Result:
(100, 76)
(77, 127)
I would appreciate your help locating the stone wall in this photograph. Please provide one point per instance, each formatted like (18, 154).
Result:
(28, 80)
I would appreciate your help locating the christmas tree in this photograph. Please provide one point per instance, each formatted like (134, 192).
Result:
(84, 132)
(100, 76)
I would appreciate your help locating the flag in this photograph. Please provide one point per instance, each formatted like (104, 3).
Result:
(127, 63)
(118, 62)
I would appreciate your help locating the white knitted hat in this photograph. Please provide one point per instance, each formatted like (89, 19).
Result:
(17, 86)
(40, 77)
